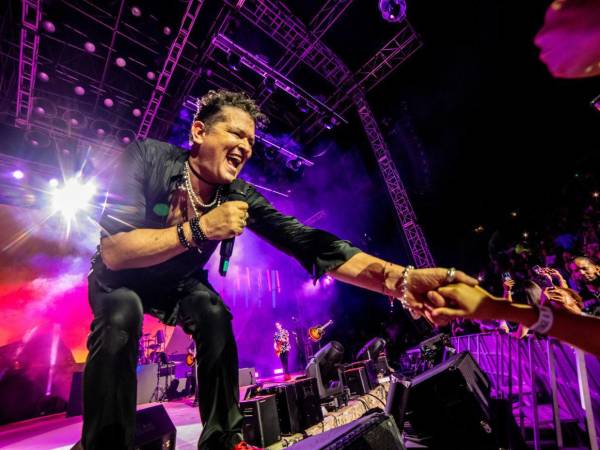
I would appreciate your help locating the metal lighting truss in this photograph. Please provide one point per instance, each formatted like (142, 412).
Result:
(280, 81)
(28, 54)
(408, 220)
(187, 23)
(276, 20)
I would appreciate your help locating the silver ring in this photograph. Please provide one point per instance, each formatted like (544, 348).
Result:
(451, 275)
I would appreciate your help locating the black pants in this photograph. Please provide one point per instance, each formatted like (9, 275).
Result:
(283, 356)
(109, 385)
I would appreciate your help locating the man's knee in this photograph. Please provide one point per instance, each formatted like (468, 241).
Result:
(125, 311)
(204, 311)
(121, 319)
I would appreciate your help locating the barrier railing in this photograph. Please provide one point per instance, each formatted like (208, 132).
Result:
(551, 384)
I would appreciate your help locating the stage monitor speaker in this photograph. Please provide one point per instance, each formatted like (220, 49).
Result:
(287, 407)
(154, 429)
(448, 406)
(376, 431)
(247, 376)
(261, 421)
(357, 381)
(309, 402)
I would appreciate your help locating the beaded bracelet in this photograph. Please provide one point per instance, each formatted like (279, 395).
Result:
(182, 239)
(197, 233)
(404, 287)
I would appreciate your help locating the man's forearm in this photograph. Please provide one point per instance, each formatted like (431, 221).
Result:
(368, 272)
(144, 247)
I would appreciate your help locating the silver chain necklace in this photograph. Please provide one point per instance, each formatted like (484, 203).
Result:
(195, 200)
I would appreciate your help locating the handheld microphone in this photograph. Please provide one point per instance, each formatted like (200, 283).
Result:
(237, 191)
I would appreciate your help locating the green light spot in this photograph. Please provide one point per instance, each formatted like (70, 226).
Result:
(161, 209)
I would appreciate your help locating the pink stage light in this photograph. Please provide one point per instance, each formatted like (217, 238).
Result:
(18, 174)
(278, 371)
(53, 355)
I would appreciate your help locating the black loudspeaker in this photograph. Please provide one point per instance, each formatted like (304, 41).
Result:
(154, 429)
(448, 406)
(309, 402)
(287, 407)
(261, 421)
(357, 381)
(376, 431)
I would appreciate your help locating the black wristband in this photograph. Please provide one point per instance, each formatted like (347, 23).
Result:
(197, 233)
(181, 235)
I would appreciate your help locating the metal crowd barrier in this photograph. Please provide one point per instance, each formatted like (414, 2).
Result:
(550, 383)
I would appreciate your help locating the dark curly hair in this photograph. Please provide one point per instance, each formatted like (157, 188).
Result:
(211, 104)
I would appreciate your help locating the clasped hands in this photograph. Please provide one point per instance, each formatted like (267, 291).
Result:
(429, 294)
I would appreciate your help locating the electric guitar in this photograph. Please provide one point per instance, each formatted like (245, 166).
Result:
(316, 333)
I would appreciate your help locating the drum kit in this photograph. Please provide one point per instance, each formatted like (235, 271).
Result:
(151, 349)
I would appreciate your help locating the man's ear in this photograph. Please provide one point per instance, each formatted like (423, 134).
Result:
(198, 132)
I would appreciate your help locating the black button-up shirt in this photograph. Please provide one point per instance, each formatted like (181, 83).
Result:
(146, 178)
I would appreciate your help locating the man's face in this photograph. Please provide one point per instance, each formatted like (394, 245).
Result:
(584, 270)
(225, 146)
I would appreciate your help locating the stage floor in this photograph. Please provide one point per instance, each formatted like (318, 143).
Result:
(60, 432)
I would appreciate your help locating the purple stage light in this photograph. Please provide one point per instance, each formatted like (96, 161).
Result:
(35, 143)
(74, 122)
(89, 47)
(137, 12)
(43, 76)
(136, 112)
(151, 75)
(167, 31)
(18, 174)
(277, 371)
(120, 62)
(49, 26)
(39, 110)
(100, 131)
(125, 140)
(79, 90)
(108, 102)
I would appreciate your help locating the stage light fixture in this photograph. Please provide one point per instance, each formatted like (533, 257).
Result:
(120, 62)
(294, 164)
(151, 75)
(137, 12)
(89, 47)
(167, 31)
(233, 61)
(302, 105)
(53, 183)
(269, 85)
(18, 174)
(74, 196)
(79, 90)
(392, 10)
(329, 122)
(43, 76)
(108, 102)
(136, 112)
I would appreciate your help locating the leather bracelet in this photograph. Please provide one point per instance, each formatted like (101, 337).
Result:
(182, 239)
(544, 321)
(197, 233)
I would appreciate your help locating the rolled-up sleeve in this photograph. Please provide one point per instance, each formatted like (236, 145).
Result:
(316, 250)
(125, 208)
